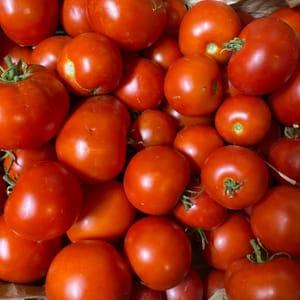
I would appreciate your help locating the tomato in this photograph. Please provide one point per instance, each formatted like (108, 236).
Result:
(176, 10)
(155, 178)
(103, 205)
(197, 142)
(90, 64)
(228, 242)
(193, 85)
(141, 292)
(88, 270)
(93, 141)
(206, 26)
(134, 25)
(44, 203)
(234, 176)
(33, 108)
(190, 288)
(74, 17)
(243, 120)
(260, 64)
(164, 51)
(46, 53)
(214, 282)
(275, 220)
(149, 245)
(142, 84)
(29, 22)
(23, 261)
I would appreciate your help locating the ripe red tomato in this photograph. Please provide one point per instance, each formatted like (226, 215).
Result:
(243, 120)
(141, 292)
(88, 270)
(133, 25)
(193, 85)
(159, 252)
(206, 27)
(44, 203)
(214, 282)
(23, 261)
(93, 141)
(29, 22)
(260, 64)
(106, 213)
(155, 178)
(176, 9)
(235, 177)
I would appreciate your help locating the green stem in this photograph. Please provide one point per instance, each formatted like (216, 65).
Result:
(234, 45)
(10, 182)
(231, 186)
(259, 254)
(293, 132)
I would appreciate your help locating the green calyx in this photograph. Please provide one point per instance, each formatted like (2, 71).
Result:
(231, 187)
(234, 45)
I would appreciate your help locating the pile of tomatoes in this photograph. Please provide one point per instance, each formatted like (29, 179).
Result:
(149, 150)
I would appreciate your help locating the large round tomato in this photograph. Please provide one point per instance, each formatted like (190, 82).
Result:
(88, 270)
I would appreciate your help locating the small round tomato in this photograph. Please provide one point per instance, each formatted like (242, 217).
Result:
(206, 27)
(243, 120)
(176, 9)
(235, 177)
(142, 292)
(44, 203)
(193, 85)
(215, 281)
(155, 178)
(159, 252)
(88, 270)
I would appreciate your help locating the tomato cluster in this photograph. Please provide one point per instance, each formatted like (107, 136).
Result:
(149, 150)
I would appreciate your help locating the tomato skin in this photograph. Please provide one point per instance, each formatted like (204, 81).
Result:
(103, 205)
(261, 66)
(84, 268)
(155, 178)
(176, 10)
(273, 280)
(29, 22)
(243, 120)
(149, 245)
(44, 203)
(141, 292)
(275, 220)
(215, 280)
(93, 141)
(133, 25)
(206, 26)
(193, 85)
(242, 166)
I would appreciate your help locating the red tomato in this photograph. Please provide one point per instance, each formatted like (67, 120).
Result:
(133, 25)
(28, 22)
(260, 64)
(176, 9)
(142, 84)
(30, 121)
(159, 252)
(106, 213)
(214, 282)
(206, 27)
(228, 242)
(44, 203)
(243, 120)
(275, 219)
(24, 261)
(193, 85)
(74, 17)
(90, 64)
(88, 270)
(141, 292)
(155, 178)
(235, 177)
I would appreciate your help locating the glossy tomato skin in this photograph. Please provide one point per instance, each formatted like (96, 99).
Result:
(155, 178)
(88, 270)
(193, 85)
(133, 25)
(106, 213)
(275, 220)
(90, 64)
(29, 22)
(93, 140)
(142, 292)
(273, 280)
(235, 177)
(261, 66)
(206, 27)
(24, 261)
(176, 9)
(37, 118)
(159, 252)
(214, 281)
(44, 203)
